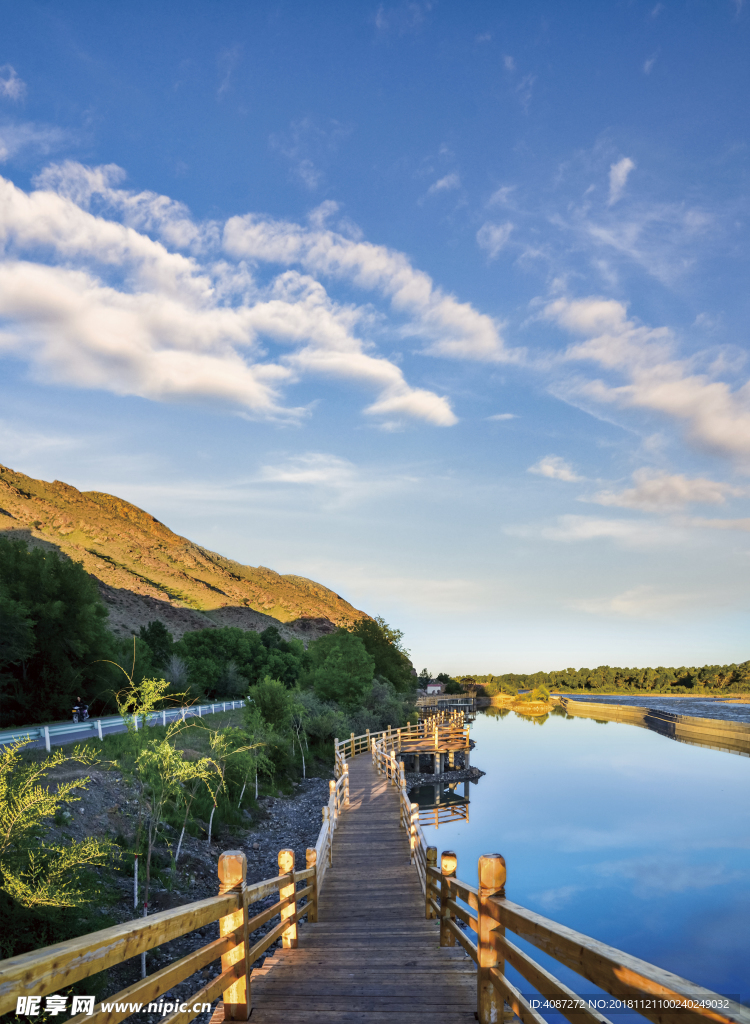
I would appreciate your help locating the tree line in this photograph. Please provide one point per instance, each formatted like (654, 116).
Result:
(711, 679)
(55, 646)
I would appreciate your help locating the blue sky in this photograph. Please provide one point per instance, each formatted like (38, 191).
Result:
(443, 305)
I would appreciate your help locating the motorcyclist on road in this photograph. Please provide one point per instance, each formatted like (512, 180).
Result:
(80, 711)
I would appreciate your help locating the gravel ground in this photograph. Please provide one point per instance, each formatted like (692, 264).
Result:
(107, 808)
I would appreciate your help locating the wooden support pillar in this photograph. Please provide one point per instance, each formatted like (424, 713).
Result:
(467, 755)
(451, 759)
(491, 883)
(286, 866)
(448, 865)
(429, 885)
(311, 861)
(232, 875)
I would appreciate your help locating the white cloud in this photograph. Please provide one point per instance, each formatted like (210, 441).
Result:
(446, 184)
(629, 533)
(554, 467)
(312, 468)
(648, 65)
(509, 63)
(492, 237)
(11, 86)
(501, 196)
(722, 524)
(643, 602)
(449, 327)
(503, 416)
(618, 176)
(123, 312)
(716, 417)
(665, 492)
(41, 139)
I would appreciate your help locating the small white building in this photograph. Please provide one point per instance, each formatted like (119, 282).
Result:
(434, 687)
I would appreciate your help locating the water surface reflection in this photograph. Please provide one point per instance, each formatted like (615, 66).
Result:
(613, 831)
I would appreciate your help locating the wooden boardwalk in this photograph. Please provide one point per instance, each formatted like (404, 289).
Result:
(372, 955)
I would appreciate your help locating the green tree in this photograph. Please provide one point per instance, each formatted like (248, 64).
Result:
(35, 873)
(384, 645)
(160, 643)
(45, 594)
(274, 702)
(340, 670)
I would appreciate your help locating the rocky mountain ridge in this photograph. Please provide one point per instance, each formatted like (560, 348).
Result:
(146, 571)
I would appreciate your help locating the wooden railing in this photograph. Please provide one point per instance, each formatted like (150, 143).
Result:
(49, 970)
(654, 993)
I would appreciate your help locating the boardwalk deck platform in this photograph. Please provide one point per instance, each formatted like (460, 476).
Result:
(372, 955)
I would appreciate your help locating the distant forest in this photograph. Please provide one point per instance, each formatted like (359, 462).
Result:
(713, 679)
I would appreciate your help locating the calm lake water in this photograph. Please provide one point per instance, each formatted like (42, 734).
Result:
(620, 833)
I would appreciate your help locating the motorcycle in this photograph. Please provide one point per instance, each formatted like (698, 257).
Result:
(81, 713)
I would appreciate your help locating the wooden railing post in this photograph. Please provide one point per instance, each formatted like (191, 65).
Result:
(327, 823)
(429, 884)
(334, 801)
(413, 838)
(491, 883)
(369, 744)
(232, 875)
(448, 865)
(311, 861)
(346, 784)
(289, 935)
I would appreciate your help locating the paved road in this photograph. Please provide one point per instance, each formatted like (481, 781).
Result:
(69, 732)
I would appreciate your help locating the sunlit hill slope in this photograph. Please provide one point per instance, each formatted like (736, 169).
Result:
(147, 571)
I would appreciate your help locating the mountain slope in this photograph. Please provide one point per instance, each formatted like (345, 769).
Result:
(144, 567)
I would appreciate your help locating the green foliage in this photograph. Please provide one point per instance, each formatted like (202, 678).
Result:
(55, 640)
(33, 873)
(383, 644)
(223, 663)
(274, 702)
(340, 670)
(604, 679)
(159, 641)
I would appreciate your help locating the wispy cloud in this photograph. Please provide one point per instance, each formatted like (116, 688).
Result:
(447, 184)
(642, 602)
(627, 533)
(307, 145)
(503, 416)
(227, 62)
(11, 86)
(493, 237)
(36, 138)
(403, 18)
(648, 65)
(716, 416)
(665, 492)
(618, 176)
(555, 468)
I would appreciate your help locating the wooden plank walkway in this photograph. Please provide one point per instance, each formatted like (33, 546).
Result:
(372, 956)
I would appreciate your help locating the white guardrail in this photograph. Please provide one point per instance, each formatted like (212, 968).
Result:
(112, 723)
